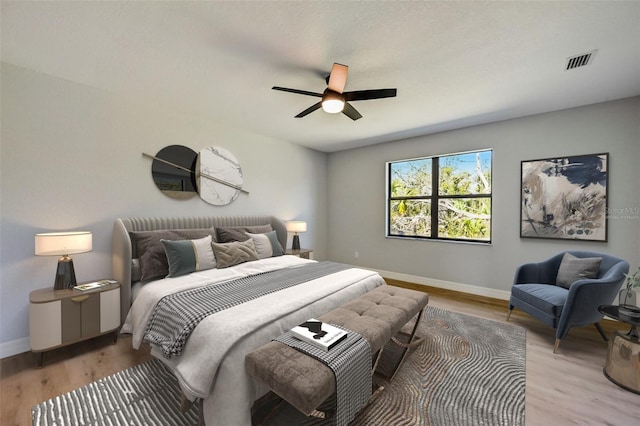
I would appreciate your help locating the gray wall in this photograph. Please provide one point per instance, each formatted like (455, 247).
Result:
(71, 159)
(357, 197)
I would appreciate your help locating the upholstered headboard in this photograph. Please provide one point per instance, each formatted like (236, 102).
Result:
(123, 251)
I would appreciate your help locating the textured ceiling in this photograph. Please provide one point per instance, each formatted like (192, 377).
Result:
(455, 64)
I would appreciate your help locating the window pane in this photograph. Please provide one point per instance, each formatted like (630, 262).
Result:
(465, 218)
(410, 178)
(462, 174)
(410, 218)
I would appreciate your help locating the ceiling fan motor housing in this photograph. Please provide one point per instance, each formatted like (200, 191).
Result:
(332, 101)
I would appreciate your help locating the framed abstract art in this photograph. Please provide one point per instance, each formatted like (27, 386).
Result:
(565, 198)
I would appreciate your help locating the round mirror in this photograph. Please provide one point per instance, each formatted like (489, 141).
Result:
(174, 171)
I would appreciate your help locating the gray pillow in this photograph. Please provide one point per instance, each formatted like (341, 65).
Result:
(238, 233)
(150, 251)
(136, 271)
(234, 253)
(574, 268)
(186, 256)
(267, 245)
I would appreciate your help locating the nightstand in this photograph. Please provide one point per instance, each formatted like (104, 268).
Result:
(61, 317)
(303, 253)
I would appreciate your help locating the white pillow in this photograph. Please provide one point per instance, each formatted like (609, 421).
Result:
(263, 245)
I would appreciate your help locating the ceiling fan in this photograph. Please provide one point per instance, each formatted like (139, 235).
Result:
(335, 99)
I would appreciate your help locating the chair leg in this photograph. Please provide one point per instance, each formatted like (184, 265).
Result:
(601, 331)
(509, 314)
(555, 347)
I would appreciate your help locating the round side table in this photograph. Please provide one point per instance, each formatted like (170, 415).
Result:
(623, 356)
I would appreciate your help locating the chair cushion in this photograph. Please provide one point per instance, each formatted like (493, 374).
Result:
(574, 268)
(546, 297)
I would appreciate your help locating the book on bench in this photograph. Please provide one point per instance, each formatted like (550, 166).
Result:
(318, 333)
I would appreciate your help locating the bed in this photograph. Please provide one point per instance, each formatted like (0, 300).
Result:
(211, 364)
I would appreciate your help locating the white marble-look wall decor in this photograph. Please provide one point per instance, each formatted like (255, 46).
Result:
(219, 176)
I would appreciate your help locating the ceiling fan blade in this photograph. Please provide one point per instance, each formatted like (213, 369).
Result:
(363, 95)
(351, 112)
(338, 77)
(309, 110)
(299, 92)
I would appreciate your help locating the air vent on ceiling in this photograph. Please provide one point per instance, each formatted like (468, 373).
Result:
(581, 60)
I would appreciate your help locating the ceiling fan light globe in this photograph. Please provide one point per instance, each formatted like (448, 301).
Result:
(333, 106)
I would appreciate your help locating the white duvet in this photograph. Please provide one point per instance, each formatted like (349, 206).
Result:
(212, 363)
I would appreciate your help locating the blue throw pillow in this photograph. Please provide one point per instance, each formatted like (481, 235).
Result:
(186, 256)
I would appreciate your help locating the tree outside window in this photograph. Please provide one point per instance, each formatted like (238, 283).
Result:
(460, 208)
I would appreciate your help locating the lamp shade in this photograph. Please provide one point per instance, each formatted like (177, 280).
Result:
(296, 226)
(63, 243)
(332, 102)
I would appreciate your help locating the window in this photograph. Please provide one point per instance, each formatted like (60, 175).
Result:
(458, 209)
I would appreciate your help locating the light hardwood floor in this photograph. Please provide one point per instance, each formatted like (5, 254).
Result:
(567, 388)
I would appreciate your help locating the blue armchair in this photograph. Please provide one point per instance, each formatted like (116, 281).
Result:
(535, 292)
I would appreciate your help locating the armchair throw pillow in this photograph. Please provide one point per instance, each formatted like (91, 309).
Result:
(574, 268)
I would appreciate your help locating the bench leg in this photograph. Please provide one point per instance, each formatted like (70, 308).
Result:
(265, 407)
(406, 346)
(375, 364)
(185, 405)
(201, 412)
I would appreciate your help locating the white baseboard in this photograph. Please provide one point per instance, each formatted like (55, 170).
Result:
(14, 347)
(448, 285)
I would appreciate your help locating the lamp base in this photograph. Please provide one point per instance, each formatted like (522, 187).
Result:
(65, 275)
(296, 242)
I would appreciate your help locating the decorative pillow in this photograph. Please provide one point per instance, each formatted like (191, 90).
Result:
(267, 245)
(238, 233)
(186, 256)
(150, 251)
(275, 244)
(234, 253)
(136, 271)
(574, 268)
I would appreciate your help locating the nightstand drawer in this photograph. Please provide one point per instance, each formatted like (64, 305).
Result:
(80, 317)
(42, 333)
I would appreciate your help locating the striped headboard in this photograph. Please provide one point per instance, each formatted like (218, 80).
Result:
(123, 252)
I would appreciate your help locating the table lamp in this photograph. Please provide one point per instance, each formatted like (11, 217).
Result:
(296, 226)
(63, 244)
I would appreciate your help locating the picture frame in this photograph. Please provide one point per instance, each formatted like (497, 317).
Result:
(565, 197)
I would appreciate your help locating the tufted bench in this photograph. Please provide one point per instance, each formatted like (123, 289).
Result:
(305, 382)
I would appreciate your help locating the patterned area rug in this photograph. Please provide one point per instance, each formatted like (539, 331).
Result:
(146, 394)
(469, 371)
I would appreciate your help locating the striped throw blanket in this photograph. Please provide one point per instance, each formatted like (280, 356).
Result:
(350, 361)
(177, 315)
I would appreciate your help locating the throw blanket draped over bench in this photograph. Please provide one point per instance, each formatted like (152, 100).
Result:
(350, 361)
(177, 315)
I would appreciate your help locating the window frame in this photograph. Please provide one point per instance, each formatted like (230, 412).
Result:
(435, 198)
